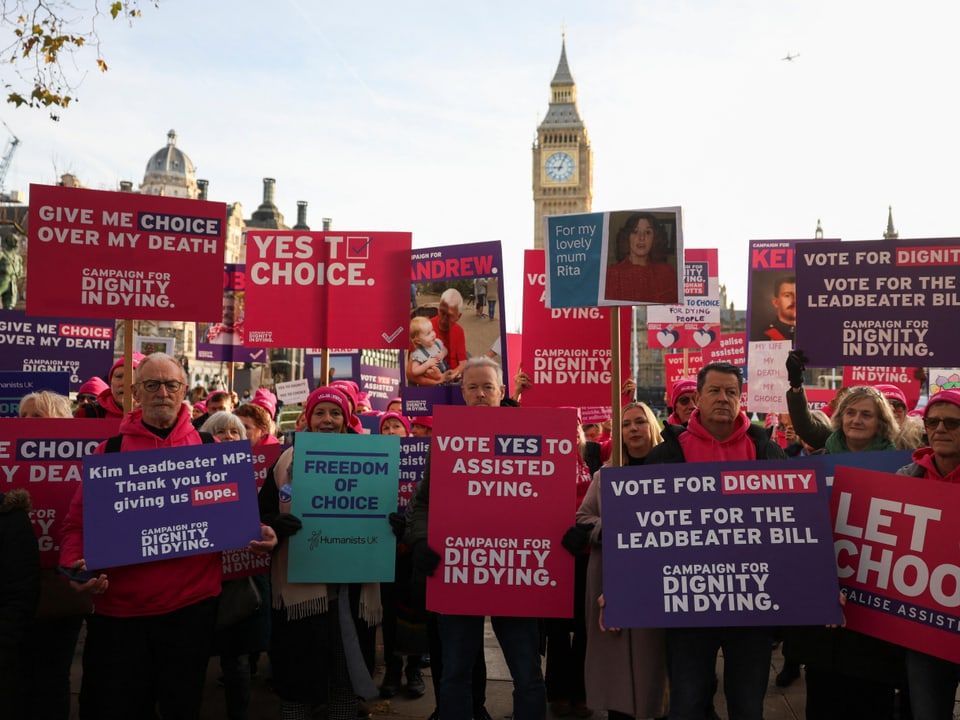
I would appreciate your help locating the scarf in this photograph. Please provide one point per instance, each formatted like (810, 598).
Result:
(217, 328)
(837, 443)
(301, 600)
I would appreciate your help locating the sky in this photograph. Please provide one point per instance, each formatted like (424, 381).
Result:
(420, 116)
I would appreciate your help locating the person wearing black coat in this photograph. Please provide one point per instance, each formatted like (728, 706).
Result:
(19, 591)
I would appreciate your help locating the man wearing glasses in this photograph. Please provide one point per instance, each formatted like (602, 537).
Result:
(897, 399)
(932, 680)
(461, 636)
(149, 639)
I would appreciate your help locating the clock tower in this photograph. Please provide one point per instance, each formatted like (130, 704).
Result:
(562, 159)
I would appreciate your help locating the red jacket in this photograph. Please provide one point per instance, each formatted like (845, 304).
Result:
(150, 588)
(109, 404)
(454, 340)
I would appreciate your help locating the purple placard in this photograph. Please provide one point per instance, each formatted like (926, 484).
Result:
(879, 302)
(149, 505)
(413, 460)
(433, 271)
(718, 544)
(380, 384)
(79, 347)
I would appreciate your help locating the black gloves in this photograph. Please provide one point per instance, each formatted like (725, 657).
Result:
(577, 538)
(285, 525)
(398, 523)
(796, 364)
(425, 559)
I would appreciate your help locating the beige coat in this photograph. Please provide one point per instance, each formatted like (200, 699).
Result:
(625, 671)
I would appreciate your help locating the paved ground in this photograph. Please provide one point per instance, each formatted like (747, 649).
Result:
(780, 704)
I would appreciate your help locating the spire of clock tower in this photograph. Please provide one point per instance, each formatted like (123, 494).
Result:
(563, 96)
(562, 158)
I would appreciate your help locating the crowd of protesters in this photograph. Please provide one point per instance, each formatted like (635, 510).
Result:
(152, 627)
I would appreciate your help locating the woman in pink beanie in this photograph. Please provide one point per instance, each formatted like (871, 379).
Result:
(316, 653)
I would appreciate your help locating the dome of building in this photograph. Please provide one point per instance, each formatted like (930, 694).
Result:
(170, 172)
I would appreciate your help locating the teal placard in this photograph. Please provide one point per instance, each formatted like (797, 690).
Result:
(344, 486)
(574, 245)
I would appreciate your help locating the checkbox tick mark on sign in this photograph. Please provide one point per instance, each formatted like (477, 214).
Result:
(359, 245)
(391, 336)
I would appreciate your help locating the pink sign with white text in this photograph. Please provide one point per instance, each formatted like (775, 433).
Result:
(682, 365)
(334, 288)
(566, 351)
(502, 485)
(896, 539)
(902, 376)
(731, 348)
(45, 457)
(124, 255)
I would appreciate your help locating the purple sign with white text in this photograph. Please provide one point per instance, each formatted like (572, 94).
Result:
(151, 505)
(456, 312)
(879, 302)
(718, 544)
(79, 347)
(381, 384)
(413, 460)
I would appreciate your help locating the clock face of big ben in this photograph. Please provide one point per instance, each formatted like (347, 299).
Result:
(559, 167)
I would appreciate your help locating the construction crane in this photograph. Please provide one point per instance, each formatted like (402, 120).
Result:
(7, 158)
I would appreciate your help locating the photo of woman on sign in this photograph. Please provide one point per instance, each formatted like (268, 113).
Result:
(642, 271)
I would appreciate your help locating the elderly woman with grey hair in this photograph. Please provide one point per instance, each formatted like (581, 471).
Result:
(225, 427)
(849, 674)
(237, 642)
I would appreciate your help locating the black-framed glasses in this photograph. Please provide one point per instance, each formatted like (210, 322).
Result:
(932, 423)
(172, 386)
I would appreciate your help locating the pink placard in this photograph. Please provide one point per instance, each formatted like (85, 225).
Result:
(566, 351)
(896, 539)
(903, 377)
(317, 289)
(45, 456)
(674, 366)
(502, 485)
(124, 255)
(694, 323)
(243, 563)
(731, 348)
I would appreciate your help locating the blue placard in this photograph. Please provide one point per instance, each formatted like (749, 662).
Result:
(344, 486)
(149, 505)
(574, 259)
(880, 460)
(718, 544)
(14, 385)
